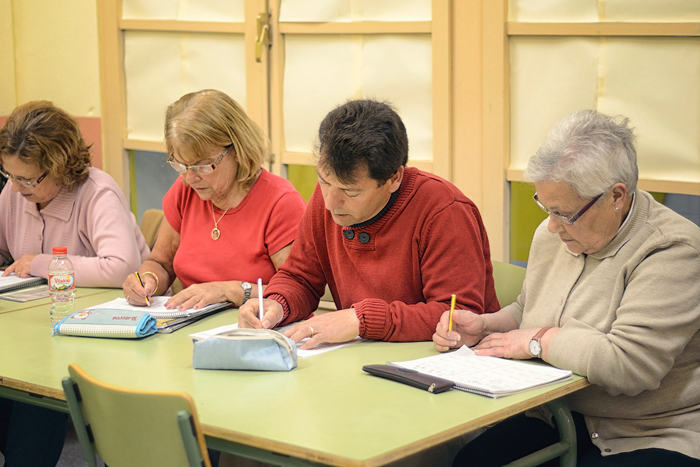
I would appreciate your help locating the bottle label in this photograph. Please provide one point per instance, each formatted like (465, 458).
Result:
(61, 282)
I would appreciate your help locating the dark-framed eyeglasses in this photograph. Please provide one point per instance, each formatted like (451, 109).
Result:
(25, 183)
(564, 219)
(203, 169)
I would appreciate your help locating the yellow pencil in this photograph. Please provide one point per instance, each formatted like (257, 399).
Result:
(452, 310)
(149, 303)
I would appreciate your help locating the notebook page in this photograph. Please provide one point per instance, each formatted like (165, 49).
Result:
(490, 376)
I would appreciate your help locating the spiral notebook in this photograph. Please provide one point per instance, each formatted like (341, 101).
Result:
(487, 376)
(13, 282)
(168, 320)
(95, 322)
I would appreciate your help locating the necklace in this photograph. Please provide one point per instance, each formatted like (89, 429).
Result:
(215, 232)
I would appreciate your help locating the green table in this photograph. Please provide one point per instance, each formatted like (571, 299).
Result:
(326, 411)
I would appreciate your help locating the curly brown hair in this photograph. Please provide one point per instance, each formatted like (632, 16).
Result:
(44, 135)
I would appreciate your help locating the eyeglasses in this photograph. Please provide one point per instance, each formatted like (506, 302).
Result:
(198, 169)
(25, 183)
(564, 219)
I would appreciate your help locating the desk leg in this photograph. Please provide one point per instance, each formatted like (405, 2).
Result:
(565, 449)
(567, 431)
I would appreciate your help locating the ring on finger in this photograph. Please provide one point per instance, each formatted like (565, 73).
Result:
(312, 331)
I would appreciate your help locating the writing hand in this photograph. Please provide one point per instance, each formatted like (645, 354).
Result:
(467, 329)
(136, 294)
(336, 326)
(248, 314)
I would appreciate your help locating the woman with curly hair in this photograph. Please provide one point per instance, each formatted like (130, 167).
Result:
(55, 198)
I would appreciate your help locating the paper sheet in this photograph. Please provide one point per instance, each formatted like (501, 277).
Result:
(355, 10)
(185, 10)
(323, 71)
(487, 376)
(160, 67)
(300, 353)
(157, 308)
(652, 81)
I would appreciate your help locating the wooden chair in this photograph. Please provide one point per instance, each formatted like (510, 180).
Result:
(129, 428)
(150, 226)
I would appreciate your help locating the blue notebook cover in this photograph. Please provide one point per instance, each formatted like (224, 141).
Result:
(105, 322)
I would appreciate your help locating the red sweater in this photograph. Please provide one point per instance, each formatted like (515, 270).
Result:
(430, 244)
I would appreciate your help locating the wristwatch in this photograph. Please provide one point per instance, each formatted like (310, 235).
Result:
(535, 347)
(246, 291)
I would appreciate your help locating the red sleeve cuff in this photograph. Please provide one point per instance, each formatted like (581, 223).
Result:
(372, 314)
(285, 307)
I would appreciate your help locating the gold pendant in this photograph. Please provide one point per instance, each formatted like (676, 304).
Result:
(215, 233)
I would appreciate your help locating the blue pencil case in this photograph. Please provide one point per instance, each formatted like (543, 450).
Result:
(105, 322)
(245, 349)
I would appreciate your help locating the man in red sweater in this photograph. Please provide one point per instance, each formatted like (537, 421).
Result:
(393, 243)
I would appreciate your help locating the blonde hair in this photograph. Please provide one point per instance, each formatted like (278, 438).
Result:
(202, 119)
(44, 135)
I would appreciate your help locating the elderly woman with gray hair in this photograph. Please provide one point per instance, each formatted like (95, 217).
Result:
(611, 293)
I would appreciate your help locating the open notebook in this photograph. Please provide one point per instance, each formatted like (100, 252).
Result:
(487, 376)
(119, 319)
(13, 282)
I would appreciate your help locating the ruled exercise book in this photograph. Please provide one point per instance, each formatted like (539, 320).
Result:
(487, 376)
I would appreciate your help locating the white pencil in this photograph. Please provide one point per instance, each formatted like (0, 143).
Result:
(260, 299)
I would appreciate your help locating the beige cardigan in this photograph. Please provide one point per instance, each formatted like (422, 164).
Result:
(629, 317)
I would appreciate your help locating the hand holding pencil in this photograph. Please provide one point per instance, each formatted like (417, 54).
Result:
(457, 328)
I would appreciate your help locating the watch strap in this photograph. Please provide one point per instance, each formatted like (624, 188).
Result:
(246, 291)
(540, 333)
(536, 339)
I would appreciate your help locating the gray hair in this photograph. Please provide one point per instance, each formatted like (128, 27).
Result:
(588, 150)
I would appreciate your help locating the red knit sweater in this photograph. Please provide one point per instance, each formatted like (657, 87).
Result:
(430, 244)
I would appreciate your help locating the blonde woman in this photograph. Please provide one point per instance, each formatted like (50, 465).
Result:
(229, 221)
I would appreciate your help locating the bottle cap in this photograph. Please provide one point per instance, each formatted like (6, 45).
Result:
(60, 250)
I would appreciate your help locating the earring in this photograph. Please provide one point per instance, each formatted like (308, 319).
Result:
(617, 208)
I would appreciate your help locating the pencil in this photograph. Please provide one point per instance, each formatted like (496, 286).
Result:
(260, 299)
(141, 282)
(452, 310)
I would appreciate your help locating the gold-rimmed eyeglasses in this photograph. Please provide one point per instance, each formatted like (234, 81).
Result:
(565, 219)
(203, 169)
(25, 183)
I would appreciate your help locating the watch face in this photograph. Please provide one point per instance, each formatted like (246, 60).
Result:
(246, 285)
(535, 348)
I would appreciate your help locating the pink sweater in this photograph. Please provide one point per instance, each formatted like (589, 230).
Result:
(94, 222)
(398, 272)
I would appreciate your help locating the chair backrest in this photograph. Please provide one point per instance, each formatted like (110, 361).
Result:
(508, 279)
(150, 225)
(129, 428)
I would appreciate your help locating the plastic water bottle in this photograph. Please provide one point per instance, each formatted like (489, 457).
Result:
(61, 285)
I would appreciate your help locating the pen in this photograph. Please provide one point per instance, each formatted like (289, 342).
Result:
(452, 310)
(260, 299)
(141, 282)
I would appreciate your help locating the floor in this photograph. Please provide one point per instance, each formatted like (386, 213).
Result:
(72, 455)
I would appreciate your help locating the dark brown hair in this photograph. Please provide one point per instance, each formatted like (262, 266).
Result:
(362, 133)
